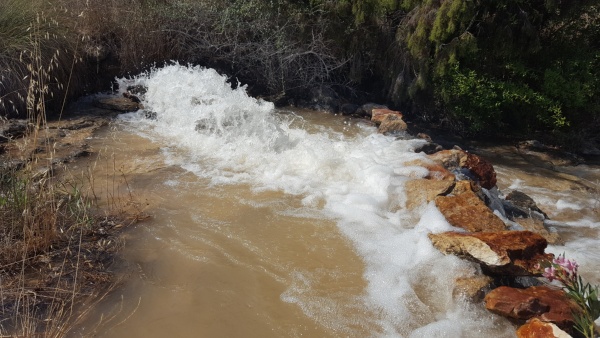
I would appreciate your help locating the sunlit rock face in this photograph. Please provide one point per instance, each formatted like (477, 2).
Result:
(545, 303)
(469, 212)
(536, 328)
(514, 253)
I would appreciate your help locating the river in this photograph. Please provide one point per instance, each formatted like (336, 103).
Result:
(288, 223)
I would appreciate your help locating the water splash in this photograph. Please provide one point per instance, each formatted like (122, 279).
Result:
(232, 138)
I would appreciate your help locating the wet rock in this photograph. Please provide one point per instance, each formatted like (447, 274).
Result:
(450, 158)
(421, 191)
(545, 303)
(132, 97)
(479, 168)
(472, 288)
(513, 253)
(78, 125)
(12, 129)
(482, 169)
(150, 115)
(537, 225)
(467, 211)
(324, 98)
(121, 104)
(546, 156)
(137, 90)
(392, 124)
(379, 114)
(366, 110)
(437, 172)
(348, 109)
(536, 328)
(520, 204)
(429, 148)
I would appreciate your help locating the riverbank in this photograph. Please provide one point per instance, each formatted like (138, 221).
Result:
(60, 235)
(100, 239)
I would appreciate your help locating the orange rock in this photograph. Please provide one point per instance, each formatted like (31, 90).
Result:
(536, 328)
(545, 303)
(450, 159)
(379, 114)
(505, 252)
(423, 191)
(479, 167)
(392, 123)
(469, 212)
(438, 172)
(482, 169)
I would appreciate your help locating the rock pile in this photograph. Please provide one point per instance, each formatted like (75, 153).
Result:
(506, 236)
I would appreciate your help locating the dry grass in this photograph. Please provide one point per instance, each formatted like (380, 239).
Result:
(56, 248)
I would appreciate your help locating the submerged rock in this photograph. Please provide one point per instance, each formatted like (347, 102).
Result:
(472, 288)
(545, 303)
(121, 104)
(513, 253)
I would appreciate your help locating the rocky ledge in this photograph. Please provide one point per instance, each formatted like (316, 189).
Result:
(505, 235)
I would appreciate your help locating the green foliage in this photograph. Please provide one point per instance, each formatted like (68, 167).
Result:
(503, 65)
(483, 103)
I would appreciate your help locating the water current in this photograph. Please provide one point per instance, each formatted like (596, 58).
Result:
(288, 223)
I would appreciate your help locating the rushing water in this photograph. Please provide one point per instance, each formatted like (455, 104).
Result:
(271, 223)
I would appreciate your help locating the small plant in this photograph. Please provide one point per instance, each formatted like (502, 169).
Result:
(585, 295)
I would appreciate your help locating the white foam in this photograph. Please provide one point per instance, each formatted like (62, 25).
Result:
(561, 204)
(230, 138)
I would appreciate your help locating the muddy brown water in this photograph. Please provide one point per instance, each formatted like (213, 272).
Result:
(233, 261)
(220, 261)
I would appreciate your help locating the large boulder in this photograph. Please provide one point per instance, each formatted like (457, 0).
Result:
(513, 253)
(467, 211)
(535, 328)
(545, 303)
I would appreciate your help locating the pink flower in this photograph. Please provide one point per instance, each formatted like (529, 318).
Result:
(550, 273)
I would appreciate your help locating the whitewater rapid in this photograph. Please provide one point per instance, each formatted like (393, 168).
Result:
(355, 178)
